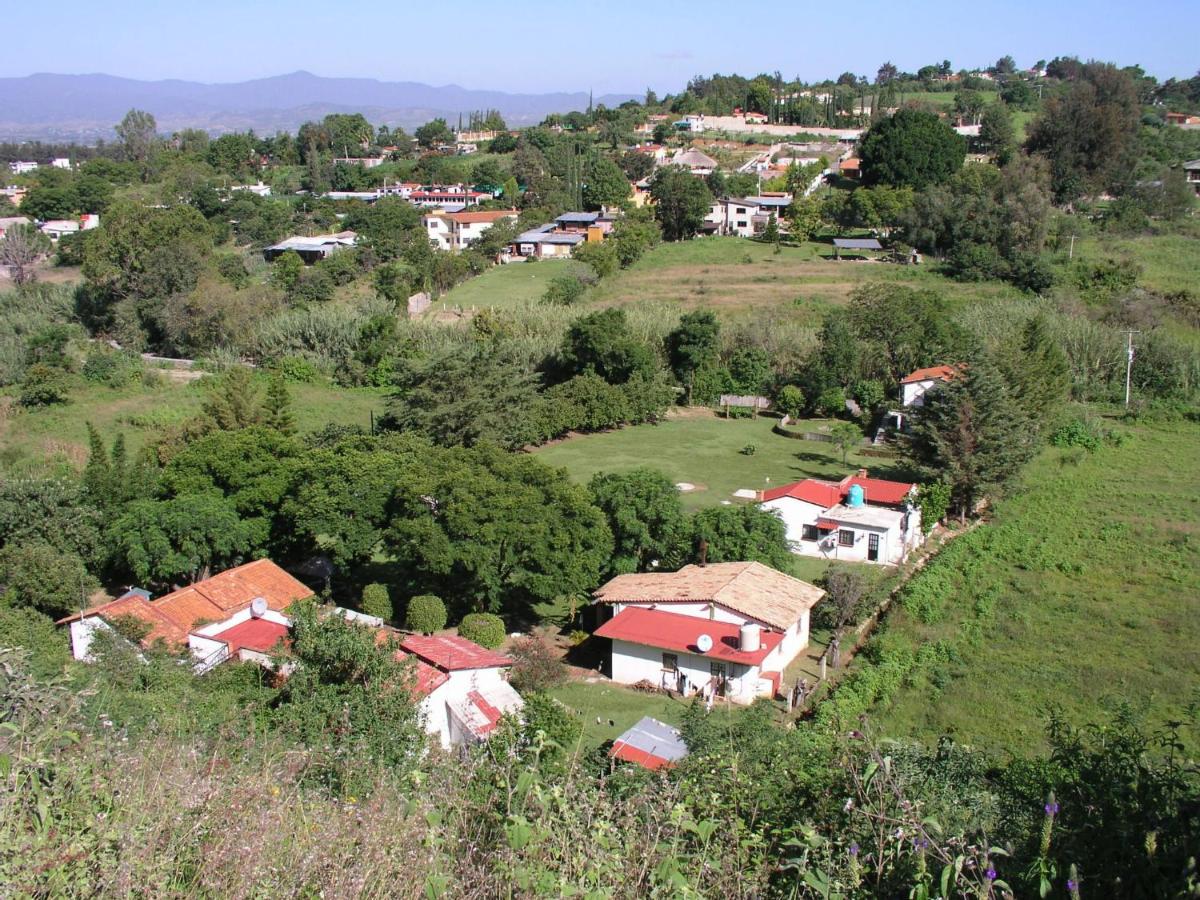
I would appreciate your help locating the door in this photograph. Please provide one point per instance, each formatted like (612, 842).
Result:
(717, 670)
(873, 548)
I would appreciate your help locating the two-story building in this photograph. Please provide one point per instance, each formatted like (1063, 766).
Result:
(725, 629)
(455, 231)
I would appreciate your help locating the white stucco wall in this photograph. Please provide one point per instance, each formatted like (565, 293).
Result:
(632, 663)
(913, 393)
(713, 612)
(894, 545)
(434, 709)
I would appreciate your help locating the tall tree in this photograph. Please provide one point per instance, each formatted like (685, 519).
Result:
(605, 184)
(20, 249)
(996, 132)
(1089, 133)
(646, 517)
(693, 345)
(138, 133)
(913, 149)
(740, 533)
(681, 201)
(602, 342)
(972, 435)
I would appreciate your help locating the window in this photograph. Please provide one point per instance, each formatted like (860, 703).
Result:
(809, 533)
(845, 537)
(670, 662)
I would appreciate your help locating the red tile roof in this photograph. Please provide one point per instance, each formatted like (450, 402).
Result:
(171, 617)
(490, 713)
(932, 373)
(810, 490)
(452, 653)
(253, 634)
(474, 218)
(672, 631)
(826, 494)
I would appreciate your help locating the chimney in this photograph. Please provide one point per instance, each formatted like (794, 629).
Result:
(703, 552)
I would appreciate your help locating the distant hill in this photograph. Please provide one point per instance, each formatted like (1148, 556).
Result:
(85, 107)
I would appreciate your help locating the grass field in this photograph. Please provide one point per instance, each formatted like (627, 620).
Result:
(1082, 594)
(1169, 262)
(702, 449)
(37, 438)
(503, 287)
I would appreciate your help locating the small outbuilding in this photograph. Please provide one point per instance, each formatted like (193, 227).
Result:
(650, 744)
(859, 245)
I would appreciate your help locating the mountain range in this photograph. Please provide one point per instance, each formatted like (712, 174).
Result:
(86, 107)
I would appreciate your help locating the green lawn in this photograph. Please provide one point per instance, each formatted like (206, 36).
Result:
(1082, 594)
(705, 450)
(37, 438)
(1169, 262)
(504, 287)
(622, 706)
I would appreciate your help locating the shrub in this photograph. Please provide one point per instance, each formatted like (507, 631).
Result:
(536, 667)
(556, 723)
(564, 290)
(296, 369)
(376, 601)
(113, 368)
(485, 629)
(1077, 433)
(43, 386)
(831, 402)
(790, 401)
(934, 500)
(427, 614)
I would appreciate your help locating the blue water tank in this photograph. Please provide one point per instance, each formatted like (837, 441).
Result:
(856, 497)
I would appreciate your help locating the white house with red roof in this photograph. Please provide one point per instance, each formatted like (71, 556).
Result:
(236, 614)
(455, 231)
(463, 687)
(913, 388)
(725, 628)
(857, 519)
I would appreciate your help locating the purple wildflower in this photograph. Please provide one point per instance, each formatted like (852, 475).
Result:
(991, 874)
(854, 848)
(1072, 885)
(1052, 809)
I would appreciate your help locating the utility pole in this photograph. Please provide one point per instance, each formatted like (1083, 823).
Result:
(1128, 362)
(1071, 252)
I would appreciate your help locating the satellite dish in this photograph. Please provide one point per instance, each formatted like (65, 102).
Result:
(704, 643)
(258, 607)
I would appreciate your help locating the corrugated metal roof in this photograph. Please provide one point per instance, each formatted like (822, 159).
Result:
(651, 744)
(857, 244)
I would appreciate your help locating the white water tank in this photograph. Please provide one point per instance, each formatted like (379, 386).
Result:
(258, 607)
(749, 637)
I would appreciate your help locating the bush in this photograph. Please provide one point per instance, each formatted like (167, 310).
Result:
(542, 713)
(536, 667)
(564, 290)
(113, 368)
(427, 614)
(1078, 433)
(831, 402)
(43, 386)
(296, 369)
(376, 601)
(485, 629)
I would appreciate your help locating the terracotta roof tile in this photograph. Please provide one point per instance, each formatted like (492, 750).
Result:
(749, 588)
(452, 653)
(932, 373)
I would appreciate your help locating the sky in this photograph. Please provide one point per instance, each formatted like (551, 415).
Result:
(609, 46)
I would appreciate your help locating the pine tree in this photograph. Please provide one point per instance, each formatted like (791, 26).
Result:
(119, 469)
(971, 435)
(278, 407)
(1041, 375)
(97, 475)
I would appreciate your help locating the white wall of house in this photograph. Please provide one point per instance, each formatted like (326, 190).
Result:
(82, 632)
(632, 663)
(894, 544)
(435, 711)
(700, 610)
(913, 393)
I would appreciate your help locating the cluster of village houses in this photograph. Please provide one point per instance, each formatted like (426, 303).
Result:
(726, 631)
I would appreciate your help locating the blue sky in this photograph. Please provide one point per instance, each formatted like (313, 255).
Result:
(606, 45)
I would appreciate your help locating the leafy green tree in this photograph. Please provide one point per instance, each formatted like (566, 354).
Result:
(536, 665)
(564, 290)
(750, 368)
(44, 202)
(645, 515)
(485, 629)
(790, 401)
(846, 436)
(602, 342)
(741, 533)
(869, 394)
(903, 328)
(681, 201)
(911, 149)
(466, 397)
(997, 135)
(831, 401)
(803, 218)
(972, 435)
(933, 498)
(376, 601)
(493, 530)
(433, 133)
(1089, 132)
(51, 511)
(286, 270)
(187, 537)
(426, 614)
(138, 133)
(42, 576)
(351, 700)
(253, 468)
(602, 257)
(634, 234)
(605, 184)
(693, 345)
